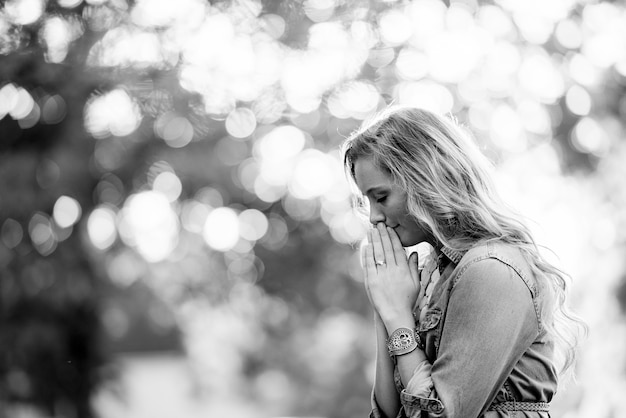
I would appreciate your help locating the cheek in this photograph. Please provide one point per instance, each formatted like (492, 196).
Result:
(398, 210)
(416, 227)
(402, 215)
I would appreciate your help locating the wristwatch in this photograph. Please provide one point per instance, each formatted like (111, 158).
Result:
(402, 341)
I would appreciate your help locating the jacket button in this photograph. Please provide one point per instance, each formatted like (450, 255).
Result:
(434, 406)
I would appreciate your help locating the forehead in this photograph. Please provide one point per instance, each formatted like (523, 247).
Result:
(368, 175)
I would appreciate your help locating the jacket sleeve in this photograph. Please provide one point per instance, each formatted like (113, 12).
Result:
(489, 324)
(374, 412)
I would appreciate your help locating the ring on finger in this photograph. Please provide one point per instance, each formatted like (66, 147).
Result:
(380, 263)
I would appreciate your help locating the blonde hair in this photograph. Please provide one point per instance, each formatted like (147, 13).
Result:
(449, 189)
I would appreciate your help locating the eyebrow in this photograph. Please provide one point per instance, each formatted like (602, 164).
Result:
(375, 189)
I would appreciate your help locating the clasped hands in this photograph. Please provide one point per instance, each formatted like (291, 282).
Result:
(391, 281)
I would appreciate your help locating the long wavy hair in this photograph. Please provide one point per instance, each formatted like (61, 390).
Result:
(449, 189)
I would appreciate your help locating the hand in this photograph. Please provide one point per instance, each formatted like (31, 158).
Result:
(392, 283)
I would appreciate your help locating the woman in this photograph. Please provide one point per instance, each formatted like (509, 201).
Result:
(478, 330)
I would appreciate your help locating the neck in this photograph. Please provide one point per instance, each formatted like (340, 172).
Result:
(434, 242)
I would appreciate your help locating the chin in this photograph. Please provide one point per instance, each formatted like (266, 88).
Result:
(409, 243)
(409, 240)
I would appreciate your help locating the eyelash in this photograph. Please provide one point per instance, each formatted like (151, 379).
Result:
(362, 203)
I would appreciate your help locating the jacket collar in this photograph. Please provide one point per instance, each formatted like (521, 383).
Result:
(453, 255)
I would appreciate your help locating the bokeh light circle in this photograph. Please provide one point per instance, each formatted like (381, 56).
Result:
(221, 229)
(24, 12)
(66, 211)
(253, 224)
(113, 113)
(149, 224)
(175, 130)
(241, 122)
(101, 227)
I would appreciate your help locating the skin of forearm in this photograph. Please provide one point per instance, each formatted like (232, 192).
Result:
(406, 362)
(384, 386)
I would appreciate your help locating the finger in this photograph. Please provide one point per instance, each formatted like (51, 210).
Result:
(362, 250)
(370, 263)
(414, 270)
(398, 249)
(377, 245)
(367, 247)
(390, 257)
(424, 278)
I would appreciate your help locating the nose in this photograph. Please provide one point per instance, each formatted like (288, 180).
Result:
(376, 215)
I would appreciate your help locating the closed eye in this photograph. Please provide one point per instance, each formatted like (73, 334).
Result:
(381, 199)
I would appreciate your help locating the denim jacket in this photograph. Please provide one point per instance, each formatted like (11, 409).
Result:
(484, 336)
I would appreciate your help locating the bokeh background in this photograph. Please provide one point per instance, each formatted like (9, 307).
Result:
(177, 237)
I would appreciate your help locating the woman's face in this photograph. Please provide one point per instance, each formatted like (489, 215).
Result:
(388, 203)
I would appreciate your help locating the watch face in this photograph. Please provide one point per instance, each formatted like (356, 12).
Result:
(405, 337)
(401, 341)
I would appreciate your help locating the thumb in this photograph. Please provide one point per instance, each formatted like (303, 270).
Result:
(414, 270)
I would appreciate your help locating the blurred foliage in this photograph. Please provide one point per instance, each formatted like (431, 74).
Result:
(170, 177)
